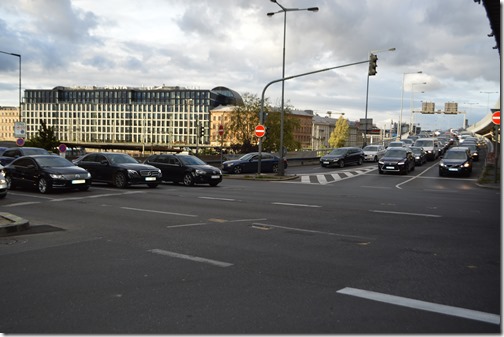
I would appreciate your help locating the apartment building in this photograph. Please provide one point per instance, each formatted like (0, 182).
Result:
(8, 116)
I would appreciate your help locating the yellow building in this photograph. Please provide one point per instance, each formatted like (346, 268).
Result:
(8, 116)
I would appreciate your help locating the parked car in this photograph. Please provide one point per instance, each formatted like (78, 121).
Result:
(12, 153)
(373, 152)
(185, 169)
(3, 183)
(343, 156)
(397, 159)
(430, 146)
(248, 163)
(456, 160)
(119, 169)
(419, 154)
(46, 173)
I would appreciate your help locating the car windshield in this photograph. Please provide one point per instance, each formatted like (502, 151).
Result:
(395, 153)
(55, 161)
(455, 155)
(189, 160)
(121, 159)
(416, 151)
(338, 152)
(371, 148)
(424, 143)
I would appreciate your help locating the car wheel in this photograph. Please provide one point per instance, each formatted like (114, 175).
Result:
(360, 161)
(153, 185)
(237, 169)
(274, 168)
(120, 180)
(341, 164)
(43, 186)
(188, 179)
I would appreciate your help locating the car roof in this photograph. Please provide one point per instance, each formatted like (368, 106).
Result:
(458, 148)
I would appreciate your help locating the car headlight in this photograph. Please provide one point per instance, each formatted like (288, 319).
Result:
(56, 176)
(133, 173)
(3, 181)
(466, 164)
(88, 176)
(401, 162)
(199, 172)
(381, 162)
(442, 164)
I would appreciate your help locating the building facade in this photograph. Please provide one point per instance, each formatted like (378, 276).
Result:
(8, 116)
(161, 115)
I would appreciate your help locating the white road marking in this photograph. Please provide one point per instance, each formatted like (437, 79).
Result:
(159, 212)
(406, 213)
(421, 305)
(22, 203)
(312, 231)
(299, 205)
(97, 196)
(213, 198)
(191, 258)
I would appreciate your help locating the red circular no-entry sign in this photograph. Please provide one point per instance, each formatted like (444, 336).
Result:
(496, 117)
(221, 130)
(260, 130)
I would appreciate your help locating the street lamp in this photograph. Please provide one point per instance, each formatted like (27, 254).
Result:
(285, 10)
(411, 103)
(488, 101)
(367, 95)
(17, 55)
(399, 129)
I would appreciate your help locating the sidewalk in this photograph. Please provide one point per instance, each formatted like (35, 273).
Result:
(490, 178)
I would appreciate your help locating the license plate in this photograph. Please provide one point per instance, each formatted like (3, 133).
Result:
(150, 178)
(78, 181)
(453, 169)
(215, 177)
(390, 167)
(326, 163)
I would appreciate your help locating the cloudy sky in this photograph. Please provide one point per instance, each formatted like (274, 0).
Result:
(233, 43)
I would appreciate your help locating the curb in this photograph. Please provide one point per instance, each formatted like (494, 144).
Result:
(10, 223)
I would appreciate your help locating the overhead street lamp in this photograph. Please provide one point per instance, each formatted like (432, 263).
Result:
(367, 94)
(488, 101)
(17, 55)
(411, 103)
(399, 128)
(285, 10)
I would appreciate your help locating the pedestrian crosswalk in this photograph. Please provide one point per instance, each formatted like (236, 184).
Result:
(334, 176)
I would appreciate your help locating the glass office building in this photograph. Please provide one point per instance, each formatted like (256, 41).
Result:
(163, 115)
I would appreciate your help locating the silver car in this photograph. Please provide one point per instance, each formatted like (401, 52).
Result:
(374, 152)
(3, 183)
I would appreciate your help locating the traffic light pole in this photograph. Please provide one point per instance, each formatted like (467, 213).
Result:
(261, 112)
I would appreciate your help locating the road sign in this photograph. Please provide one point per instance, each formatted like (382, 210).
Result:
(496, 117)
(260, 130)
(20, 141)
(62, 148)
(20, 129)
(221, 130)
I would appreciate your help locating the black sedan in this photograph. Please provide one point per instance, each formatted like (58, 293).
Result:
(46, 173)
(419, 154)
(249, 162)
(119, 169)
(399, 160)
(9, 154)
(343, 156)
(187, 169)
(456, 160)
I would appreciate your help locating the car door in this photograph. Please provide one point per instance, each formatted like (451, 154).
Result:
(177, 168)
(26, 172)
(89, 163)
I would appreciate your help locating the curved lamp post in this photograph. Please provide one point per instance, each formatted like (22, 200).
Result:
(285, 10)
(17, 55)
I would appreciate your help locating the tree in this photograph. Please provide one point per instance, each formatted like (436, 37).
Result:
(272, 141)
(46, 138)
(243, 120)
(340, 134)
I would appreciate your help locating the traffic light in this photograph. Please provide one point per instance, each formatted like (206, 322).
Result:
(372, 64)
(202, 131)
(265, 132)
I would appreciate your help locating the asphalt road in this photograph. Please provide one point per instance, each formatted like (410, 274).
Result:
(365, 253)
